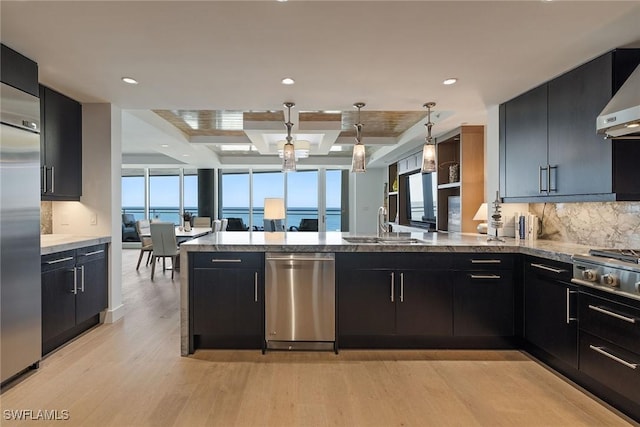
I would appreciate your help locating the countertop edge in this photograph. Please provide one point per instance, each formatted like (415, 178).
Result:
(52, 243)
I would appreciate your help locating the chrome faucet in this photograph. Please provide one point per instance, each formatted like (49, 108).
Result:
(383, 224)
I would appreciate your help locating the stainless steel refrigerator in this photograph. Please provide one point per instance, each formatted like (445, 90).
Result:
(20, 289)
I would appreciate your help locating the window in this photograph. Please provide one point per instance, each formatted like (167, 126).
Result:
(133, 190)
(164, 195)
(190, 191)
(265, 184)
(302, 197)
(333, 197)
(422, 199)
(235, 196)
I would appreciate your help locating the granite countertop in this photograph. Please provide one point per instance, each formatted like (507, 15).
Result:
(252, 241)
(52, 243)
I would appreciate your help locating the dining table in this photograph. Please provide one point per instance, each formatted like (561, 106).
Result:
(183, 235)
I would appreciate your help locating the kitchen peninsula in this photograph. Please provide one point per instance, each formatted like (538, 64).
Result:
(425, 247)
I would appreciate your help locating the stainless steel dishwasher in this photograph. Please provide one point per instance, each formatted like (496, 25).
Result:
(300, 301)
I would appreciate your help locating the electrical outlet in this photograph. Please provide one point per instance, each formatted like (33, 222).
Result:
(93, 219)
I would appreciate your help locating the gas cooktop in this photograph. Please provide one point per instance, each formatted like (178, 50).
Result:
(613, 270)
(627, 255)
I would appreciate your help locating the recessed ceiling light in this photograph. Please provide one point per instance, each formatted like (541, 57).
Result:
(288, 81)
(164, 145)
(185, 155)
(450, 81)
(633, 125)
(130, 80)
(282, 1)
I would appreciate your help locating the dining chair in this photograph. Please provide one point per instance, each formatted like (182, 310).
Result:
(216, 225)
(163, 238)
(144, 230)
(202, 221)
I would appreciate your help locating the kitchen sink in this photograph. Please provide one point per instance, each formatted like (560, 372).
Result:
(382, 240)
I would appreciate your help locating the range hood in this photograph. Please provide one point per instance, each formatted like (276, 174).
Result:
(621, 117)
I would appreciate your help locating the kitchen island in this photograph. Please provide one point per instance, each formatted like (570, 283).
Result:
(414, 245)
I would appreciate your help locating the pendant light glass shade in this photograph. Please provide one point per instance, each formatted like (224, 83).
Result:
(358, 161)
(289, 151)
(429, 149)
(288, 158)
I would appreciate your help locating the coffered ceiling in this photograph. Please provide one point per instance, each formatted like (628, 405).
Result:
(210, 72)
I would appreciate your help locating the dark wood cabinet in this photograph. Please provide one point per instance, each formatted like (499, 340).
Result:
(227, 300)
(60, 146)
(483, 304)
(550, 310)
(74, 292)
(18, 71)
(549, 149)
(383, 306)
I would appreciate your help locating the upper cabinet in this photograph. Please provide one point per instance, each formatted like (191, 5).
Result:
(18, 71)
(60, 146)
(549, 149)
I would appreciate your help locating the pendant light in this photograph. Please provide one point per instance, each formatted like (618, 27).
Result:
(288, 151)
(358, 160)
(429, 149)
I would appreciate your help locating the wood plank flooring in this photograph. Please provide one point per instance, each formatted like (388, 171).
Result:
(131, 374)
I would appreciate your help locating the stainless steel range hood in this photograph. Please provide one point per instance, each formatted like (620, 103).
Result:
(621, 117)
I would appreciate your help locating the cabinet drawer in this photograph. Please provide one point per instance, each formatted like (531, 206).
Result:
(65, 259)
(617, 323)
(227, 260)
(546, 268)
(610, 365)
(483, 261)
(91, 253)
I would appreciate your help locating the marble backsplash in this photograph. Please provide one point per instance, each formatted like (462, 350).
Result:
(46, 217)
(602, 224)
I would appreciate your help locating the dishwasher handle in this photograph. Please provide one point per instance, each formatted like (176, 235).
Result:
(299, 258)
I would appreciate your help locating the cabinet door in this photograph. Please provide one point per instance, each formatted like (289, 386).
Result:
(549, 308)
(61, 148)
(525, 144)
(580, 159)
(225, 304)
(92, 295)
(483, 304)
(366, 302)
(58, 302)
(424, 303)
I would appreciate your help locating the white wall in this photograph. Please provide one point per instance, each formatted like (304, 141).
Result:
(366, 194)
(492, 174)
(98, 212)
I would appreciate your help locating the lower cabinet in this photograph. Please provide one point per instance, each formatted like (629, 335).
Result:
(550, 311)
(74, 292)
(227, 300)
(426, 300)
(610, 349)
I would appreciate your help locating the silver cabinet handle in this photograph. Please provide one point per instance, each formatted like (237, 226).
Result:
(485, 276)
(82, 277)
(75, 281)
(94, 252)
(612, 314)
(401, 287)
(602, 351)
(486, 261)
(225, 260)
(392, 286)
(69, 258)
(255, 287)
(549, 178)
(540, 189)
(569, 318)
(547, 268)
(53, 179)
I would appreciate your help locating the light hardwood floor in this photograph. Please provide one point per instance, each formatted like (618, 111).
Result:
(131, 374)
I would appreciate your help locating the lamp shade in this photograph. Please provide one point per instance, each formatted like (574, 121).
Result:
(358, 161)
(288, 158)
(481, 215)
(428, 158)
(274, 208)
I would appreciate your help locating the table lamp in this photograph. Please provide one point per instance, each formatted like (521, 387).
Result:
(481, 215)
(273, 214)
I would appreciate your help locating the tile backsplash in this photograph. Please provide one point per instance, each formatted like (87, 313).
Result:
(602, 224)
(46, 217)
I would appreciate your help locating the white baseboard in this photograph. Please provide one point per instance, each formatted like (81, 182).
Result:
(113, 315)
